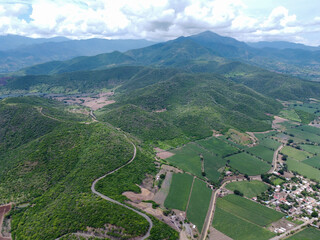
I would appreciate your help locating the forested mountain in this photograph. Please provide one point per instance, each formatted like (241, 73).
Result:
(17, 51)
(206, 46)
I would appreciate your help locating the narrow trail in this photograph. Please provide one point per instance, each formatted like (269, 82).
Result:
(121, 204)
(275, 159)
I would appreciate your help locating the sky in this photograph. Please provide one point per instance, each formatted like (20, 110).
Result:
(160, 20)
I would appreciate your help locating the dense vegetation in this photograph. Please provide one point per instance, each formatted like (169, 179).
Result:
(50, 173)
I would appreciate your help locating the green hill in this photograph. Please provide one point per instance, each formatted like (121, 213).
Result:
(194, 104)
(48, 166)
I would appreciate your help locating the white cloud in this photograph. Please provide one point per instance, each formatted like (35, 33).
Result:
(152, 19)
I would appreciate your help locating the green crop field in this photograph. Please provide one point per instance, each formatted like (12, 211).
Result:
(295, 153)
(217, 146)
(188, 159)
(179, 191)
(311, 148)
(260, 151)
(269, 143)
(262, 136)
(211, 166)
(237, 228)
(249, 210)
(313, 162)
(304, 135)
(310, 129)
(248, 164)
(199, 203)
(306, 234)
(303, 169)
(249, 189)
(290, 114)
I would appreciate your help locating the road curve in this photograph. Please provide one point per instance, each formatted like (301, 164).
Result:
(116, 202)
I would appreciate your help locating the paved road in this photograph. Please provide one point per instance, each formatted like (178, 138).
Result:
(121, 204)
(93, 189)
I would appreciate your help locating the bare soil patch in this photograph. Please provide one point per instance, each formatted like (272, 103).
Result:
(145, 195)
(276, 121)
(160, 110)
(282, 223)
(93, 102)
(163, 154)
(217, 235)
(3, 211)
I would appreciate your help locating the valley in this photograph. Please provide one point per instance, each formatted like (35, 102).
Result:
(178, 140)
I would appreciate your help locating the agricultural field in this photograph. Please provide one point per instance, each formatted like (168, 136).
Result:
(247, 218)
(290, 114)
(248, 164)
(310, 129)
(313, 162)
(269, 143)
(199, 203)
(262, 136)
(306, 234)
(304, 135)
(303, 169)
(249, 189)
(179, 191)
(310, 148)
(296, 154)
(241, 229)
(217, 146)
(188, 159)
(262, 152)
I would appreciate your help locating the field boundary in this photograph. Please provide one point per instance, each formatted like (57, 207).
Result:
(194, 177)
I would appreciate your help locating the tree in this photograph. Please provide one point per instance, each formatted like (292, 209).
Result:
(237, 192)
(314, 214)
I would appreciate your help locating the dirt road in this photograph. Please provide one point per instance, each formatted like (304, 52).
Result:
(275, 159)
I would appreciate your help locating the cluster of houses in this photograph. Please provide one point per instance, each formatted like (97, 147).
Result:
(299, 200)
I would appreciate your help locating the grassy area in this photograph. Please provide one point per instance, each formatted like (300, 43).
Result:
(249, 210)
(290, 114)
(248, 164)
(306, 234)
(179, 191)
(199, 203)
(276, 180)
(238, 228)
(313, 162)
(249, 189)
(294, 153)
(260, 151)
(303, 169)
(217, 146)
(314, 149)
(262, 136)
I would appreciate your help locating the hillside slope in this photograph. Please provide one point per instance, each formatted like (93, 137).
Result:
(49, 175)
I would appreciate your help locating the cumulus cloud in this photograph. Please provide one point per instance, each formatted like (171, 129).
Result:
(151, 19)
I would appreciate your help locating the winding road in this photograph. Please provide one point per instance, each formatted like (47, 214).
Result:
(121, 204)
